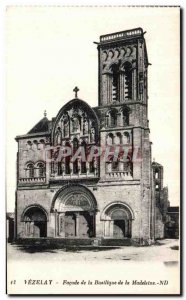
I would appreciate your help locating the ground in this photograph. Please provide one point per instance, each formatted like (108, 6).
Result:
(163, 251)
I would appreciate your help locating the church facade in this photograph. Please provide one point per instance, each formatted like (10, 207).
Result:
(87, 173)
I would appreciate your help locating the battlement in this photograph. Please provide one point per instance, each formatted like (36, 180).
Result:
(121, 35)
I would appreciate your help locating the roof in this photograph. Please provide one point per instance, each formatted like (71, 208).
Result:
(41, 126)
(155, 164)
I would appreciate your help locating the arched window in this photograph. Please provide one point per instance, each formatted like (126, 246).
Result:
(115, 82)
(75, 124)
(124, 111)
(126, 138)
(75, 163)
(29, 145)
(41, 145)
(91, 166)
(41, 169)
(113, 118)
(59, 168)
(35, 145)
(30, 168)
(83, 163)
(118, 138)
(110, 139)
(65, 126)
(125, 118)
(75, 144)
(75, 167)
(67, 160)
(128, 80)
(115, 166)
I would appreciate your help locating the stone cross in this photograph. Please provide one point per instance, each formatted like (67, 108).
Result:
(76, 90)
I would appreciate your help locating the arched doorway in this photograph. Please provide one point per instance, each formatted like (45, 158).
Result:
(117, 219)
(75, 208)
(35, 221)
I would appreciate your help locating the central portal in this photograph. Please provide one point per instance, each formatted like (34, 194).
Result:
(75, 209)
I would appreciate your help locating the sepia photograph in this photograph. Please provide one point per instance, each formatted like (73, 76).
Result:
(93, 150)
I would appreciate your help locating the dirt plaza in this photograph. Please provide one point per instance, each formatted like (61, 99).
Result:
(166, 251)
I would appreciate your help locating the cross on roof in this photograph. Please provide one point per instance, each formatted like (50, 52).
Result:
(76, 90)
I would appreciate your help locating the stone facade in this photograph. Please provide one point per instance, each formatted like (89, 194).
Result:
(61, 194)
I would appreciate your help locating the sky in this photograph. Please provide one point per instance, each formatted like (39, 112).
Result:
(50, 50)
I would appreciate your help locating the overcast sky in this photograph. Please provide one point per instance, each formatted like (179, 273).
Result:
(50, 50)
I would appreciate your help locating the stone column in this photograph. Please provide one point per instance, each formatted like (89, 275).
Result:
(107, 228)
(87, 167)
(61, 224)
(71, 167)
(79, 166)
(77, 224)
(111, 228)
(122, 86)
(130, 228)
(92, 214)
(134, 84)
(109, 88)
(99, 228)
(56, 224)
(26, 229)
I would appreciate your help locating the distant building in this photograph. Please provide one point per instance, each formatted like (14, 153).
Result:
(10, 226)
(172, 223)
(120, 198)
(161, 200)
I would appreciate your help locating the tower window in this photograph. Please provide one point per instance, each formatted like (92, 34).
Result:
(157, 187)
(128, 80)
(125, 117)
(113, 119)
(115, 82)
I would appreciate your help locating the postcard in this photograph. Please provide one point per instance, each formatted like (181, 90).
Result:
(93, 150)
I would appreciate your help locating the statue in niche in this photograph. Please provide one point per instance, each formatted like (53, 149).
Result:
(118, 139)
(110, 55)
(92, 135)
(134, 52)
(75, 124)
(58, 136)
(125, 120)
(126, 138)
(128, 52)
(122, 53)
(104, 56)
(85, 126)
(66, 126)
(109, 140)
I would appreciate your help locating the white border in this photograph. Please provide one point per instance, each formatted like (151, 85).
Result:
(3, 4)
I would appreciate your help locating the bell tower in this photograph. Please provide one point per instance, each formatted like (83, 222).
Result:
(123, 66)
(123, 97)
(123, 116)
